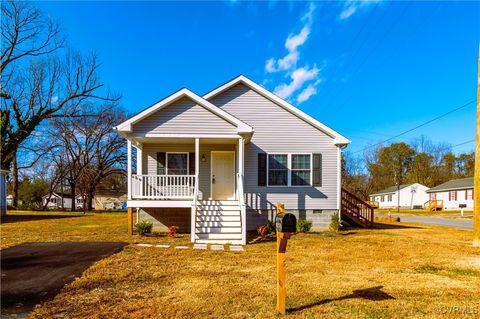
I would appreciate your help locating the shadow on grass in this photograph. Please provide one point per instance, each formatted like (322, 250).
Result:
(373, 294)
(38, 216)
(393, 226)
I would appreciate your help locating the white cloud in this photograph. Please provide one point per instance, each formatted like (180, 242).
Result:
(298, 78)
(351, 7)
(54, 99)
(292, 43)
(309, 91)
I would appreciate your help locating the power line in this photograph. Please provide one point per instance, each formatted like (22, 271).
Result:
(418, 126)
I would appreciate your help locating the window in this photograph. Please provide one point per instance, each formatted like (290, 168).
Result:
(177, 163)
(278, 170)
(433, 196)
(469, 194)
(453, 195)
(382, 198)
(53, 200)
(300, 173)
(390, 198)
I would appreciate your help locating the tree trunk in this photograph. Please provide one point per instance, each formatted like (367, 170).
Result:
(15, 181)
(72, 189)
(90, 200)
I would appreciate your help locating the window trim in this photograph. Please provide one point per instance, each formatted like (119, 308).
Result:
(289, 169)
(166, 163)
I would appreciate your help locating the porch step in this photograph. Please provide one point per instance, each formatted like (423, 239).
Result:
(218, 202)
(218, 224)
(218, 213)
(211, 230)
(219, 241)
(224, 236)
(218, 218)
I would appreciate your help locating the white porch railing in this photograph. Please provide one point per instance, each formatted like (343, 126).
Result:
(163, 186)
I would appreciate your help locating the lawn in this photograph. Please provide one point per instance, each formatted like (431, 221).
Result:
(421, 212)
(392, 271)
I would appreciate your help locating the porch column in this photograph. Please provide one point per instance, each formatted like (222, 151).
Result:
(241, 142)
(129, 169)
(195, 194)
(139, 160)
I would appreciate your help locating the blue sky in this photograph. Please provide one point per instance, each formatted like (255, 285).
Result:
(369, 70)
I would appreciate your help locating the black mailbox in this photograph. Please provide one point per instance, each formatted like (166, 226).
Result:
(462, 206)
(286, 223)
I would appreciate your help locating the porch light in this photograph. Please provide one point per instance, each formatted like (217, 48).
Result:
(203, 158)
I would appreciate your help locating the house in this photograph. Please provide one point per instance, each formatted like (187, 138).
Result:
(454, 194)
(411, 196)
(216, 165)
(110, 199)
(54, 201)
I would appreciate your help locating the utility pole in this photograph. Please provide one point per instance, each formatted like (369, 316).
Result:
(476, 187)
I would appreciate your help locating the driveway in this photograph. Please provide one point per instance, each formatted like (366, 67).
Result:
(36, 272)
(437, 221)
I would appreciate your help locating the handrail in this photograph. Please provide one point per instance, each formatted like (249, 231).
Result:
(241, 201)
(352, 205)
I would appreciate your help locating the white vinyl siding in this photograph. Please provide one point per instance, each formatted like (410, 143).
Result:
(279, 131)
(186, 117)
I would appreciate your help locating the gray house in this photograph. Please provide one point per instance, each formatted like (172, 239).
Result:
(217, 165)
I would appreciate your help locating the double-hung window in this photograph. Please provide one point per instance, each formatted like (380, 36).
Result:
(289, 169)
(177, 163)
(301, 169)
(278, 170)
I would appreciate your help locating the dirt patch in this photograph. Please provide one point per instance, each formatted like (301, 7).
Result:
(36, 272)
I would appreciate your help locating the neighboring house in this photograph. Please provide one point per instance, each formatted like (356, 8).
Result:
(411, 196)
(110, 199)
(217, 165)
(454, 193)
(55, 201)
(9, 200)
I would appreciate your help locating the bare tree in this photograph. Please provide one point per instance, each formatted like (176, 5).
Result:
(37, 84)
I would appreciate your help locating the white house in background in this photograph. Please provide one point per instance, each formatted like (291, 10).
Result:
(455, 194)
(411, 196)
(55, 201)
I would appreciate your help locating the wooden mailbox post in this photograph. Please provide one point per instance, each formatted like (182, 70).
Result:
(286, 224)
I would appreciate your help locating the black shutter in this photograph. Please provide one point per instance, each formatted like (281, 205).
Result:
(161, 160)
(191, 163)
(317, 170)
(262, 169)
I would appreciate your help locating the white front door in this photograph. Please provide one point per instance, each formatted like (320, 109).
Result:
(223, 175)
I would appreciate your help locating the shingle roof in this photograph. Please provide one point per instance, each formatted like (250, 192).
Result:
(462, 183)
(391, 189)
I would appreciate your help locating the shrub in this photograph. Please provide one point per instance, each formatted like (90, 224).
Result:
(271, 227)
(144, 227)
(172, 231)
(334, 222)
(304, 225)
(262, 230)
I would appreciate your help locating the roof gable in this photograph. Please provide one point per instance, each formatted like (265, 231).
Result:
(339, 139)
(127, 126)
(391, 189)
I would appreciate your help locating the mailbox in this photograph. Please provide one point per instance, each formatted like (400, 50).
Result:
(462, 206)
(286, 223)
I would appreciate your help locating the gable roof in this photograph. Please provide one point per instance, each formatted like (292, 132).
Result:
(391, 189)
(338, 138)
(462, 183)
(127, 125)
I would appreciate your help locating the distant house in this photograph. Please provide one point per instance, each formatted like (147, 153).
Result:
(110, 199)
(55, 201)
(411, 196)
(455, 194)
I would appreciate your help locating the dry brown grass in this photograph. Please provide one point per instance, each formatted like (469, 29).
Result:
(388, 272)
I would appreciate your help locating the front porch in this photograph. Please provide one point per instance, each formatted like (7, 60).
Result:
(201, 174)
